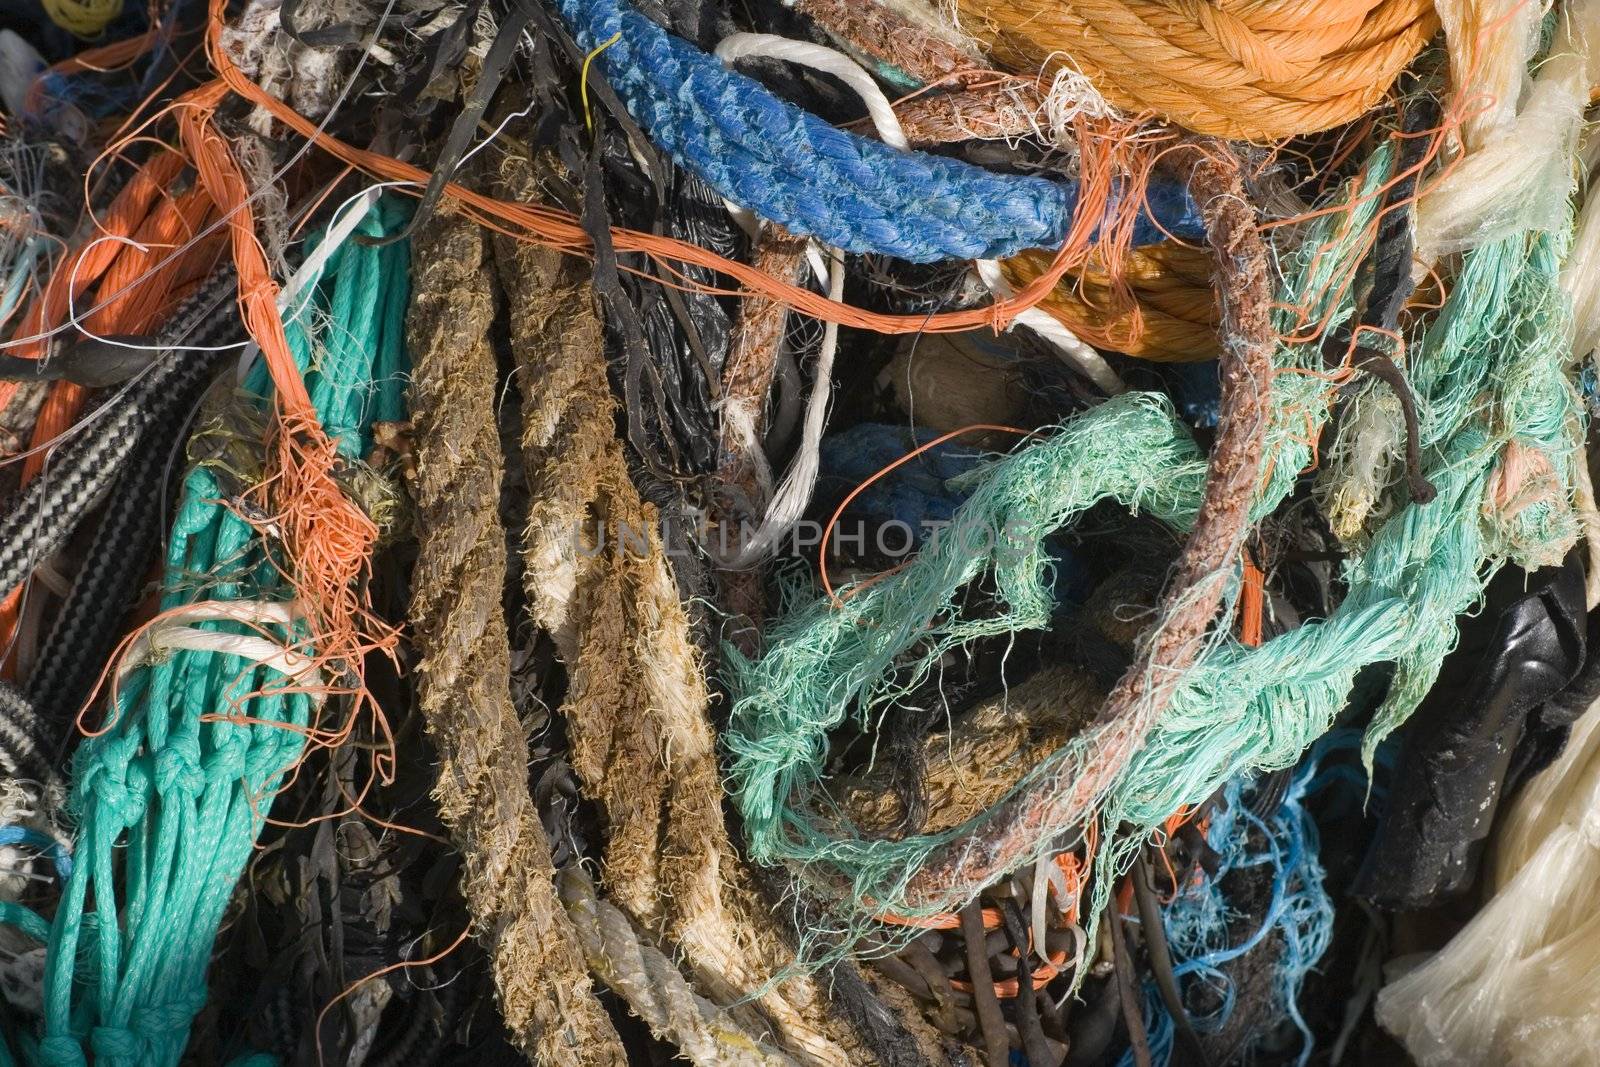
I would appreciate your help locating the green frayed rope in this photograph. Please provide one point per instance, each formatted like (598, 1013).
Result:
(1489, 370)
(169, 804)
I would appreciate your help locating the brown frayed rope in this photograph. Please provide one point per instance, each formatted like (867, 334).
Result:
(743, 479)
(635, 711)
(642, 975)
(464, 673)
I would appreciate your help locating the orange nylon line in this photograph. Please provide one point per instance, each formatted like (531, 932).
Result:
(379, 973)
(258, 293)
(822, 551)
(140, 212)
(560, 229)
(133, 313)
(1252, 603)
(944, 920)
(1007, 988)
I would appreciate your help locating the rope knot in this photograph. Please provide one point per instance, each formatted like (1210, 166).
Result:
(114, 1043)
(61, 1051)
(178, 767)
(227, 763)
(158, 1023)
(119, 790)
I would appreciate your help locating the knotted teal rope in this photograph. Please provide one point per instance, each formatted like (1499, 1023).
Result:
(168, 801)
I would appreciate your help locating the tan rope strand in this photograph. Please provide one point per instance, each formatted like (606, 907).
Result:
(654, 990)
(641, 742)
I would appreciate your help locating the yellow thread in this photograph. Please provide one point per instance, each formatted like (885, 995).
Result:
(84, 18)
(583, 77)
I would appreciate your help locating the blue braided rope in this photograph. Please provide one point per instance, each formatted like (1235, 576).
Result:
(789, 166)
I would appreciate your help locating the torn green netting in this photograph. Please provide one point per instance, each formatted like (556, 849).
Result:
(170, 798)
(1488, 373)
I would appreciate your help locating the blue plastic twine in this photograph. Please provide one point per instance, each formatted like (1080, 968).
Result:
(789, 166)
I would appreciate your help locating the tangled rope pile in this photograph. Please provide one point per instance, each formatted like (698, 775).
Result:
(1237, 708)
(728, 668)
(214, 704)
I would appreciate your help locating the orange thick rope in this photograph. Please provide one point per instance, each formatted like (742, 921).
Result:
(1257, 70)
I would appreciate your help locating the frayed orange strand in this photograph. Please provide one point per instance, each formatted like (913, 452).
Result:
(258, 293)
(379, 973)
(329, 540)
(560, 229)
(142, 214)
(1252, 604)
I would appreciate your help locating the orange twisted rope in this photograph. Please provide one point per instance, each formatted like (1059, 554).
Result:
(1256, 70)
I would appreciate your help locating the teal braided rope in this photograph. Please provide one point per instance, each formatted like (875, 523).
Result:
(170, 799)
(1489, 371)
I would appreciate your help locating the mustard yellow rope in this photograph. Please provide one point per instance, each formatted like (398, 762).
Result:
(1166, 312)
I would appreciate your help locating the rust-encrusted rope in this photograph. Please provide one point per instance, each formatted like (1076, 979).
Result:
(1195, 589)
(744, 479)
(929, 52)
(545, 991)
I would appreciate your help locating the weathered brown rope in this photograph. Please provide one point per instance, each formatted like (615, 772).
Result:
(991, 747)
(744, 481)
(940, 118)
(929, 52)
(464, 673)
(641, 742)
(642, 975)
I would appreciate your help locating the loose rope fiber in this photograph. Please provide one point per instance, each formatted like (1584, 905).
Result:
(543, 224)
(1256, 71)
(795, 169)
(1293, 928)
